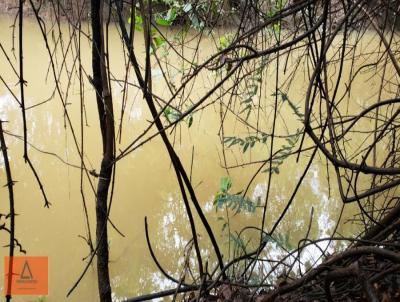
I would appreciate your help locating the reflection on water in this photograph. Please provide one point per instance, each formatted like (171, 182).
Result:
(146, 184)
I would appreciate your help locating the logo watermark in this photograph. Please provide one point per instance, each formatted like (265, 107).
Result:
(26, 275)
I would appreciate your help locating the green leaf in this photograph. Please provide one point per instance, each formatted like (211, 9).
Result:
(236, 203)
(163, 22)
(272, 170)
(246, 146)
(158, 41)
(264, 139)
(138, 22)
(171, 114)
(225, 184)
(171, 14)
(227, 139)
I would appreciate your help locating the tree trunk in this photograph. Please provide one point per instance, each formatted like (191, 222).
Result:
(101, 231)
(104, 105)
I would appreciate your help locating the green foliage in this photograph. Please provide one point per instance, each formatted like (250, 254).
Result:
(250, 141)
(236, 202)
(157, 40)
(285, 99)
(138, 21)
(245, 143)
(190, 121)
(197, 14)
(168, 18)
(225, 184)
(276, 26)
(171, 114)
(284, 152)
(225, 41)
(252, 88)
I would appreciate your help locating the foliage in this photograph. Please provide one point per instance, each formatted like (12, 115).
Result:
(172, 115)
(250, 141)
(296, 109)
(197, 14)
(225, 41)
(252, 89)
(246, 142)
(284, 152)
(236, 202)
(157, 40)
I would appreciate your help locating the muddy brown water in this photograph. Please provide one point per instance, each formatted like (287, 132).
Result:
(146, 184)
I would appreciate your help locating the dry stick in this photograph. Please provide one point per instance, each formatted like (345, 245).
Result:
(10, 184)
(42, 151)
(354, 252)
(300, 249)
(270, 155)
(374, 154)
(381, 35)
(340, 273)
(162, 270)
(165, 293)
(374, 232)
(272, 142)
(376, 139)
(291, 253)
(290, 201)
(22, 83)
(322, 20)
(148, 87)
(9, 89)
(8, 59)
(128, 149)
(184, 272)
(179, 169)
(337, 162)
(81, 94)
(21, 75)
(46, 201)
(329, 107)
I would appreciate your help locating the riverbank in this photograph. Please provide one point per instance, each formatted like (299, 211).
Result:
(214, 13)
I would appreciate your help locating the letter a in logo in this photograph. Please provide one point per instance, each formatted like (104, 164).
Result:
(26, 273)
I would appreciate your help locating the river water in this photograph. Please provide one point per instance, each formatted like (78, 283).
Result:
(146, 184)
